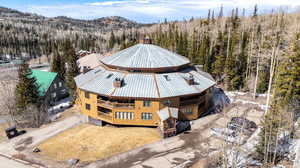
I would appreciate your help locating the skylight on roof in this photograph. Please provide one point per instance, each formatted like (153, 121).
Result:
(97, 71)
(167, 77)
(109, 75)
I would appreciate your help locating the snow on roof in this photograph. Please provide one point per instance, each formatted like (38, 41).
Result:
(168, 112)
(89, 61)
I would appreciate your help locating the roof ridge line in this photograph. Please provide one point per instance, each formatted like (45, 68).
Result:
(156, 86)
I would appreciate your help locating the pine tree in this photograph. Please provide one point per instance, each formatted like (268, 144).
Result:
(288, 81)
(72, 68)
(112, 40)
(268, 135)
(263, 81)
(220, 12)
(57, 64)
(180, 45)
(192, 47)
(26, 89)
(218, 65)
(255, 11)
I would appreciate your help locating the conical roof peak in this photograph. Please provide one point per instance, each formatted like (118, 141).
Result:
(145, 57)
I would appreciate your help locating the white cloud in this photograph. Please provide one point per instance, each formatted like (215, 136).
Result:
(153, 10)
(107, 3)
(111, 3)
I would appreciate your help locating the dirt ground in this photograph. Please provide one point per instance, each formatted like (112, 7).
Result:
(89, 143)
(69, 112)
(3, 126)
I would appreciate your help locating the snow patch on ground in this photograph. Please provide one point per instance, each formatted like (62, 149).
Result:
(60, 105)
(233, 94)
(278, 166)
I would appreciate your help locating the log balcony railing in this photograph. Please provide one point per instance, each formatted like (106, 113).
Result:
(110, 104)
(106, 116)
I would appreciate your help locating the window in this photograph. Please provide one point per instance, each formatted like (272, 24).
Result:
(87, 95)
(121, 115)
(59, 84)
(55, 85)
(124, 115)
(87, 106)
(53, 95)
(167, 102)
(146, 116)
(147, 103)
(64, 91)
(188, 111)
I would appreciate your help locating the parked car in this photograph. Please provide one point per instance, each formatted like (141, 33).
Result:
(13, 132)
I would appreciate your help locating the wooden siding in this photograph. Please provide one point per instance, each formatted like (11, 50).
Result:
(138, 109)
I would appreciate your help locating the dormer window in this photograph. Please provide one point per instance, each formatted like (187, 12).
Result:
(147, 40)
(191, 80)
(118, 82)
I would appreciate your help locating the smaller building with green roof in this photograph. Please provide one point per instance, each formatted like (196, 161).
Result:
(51, 85)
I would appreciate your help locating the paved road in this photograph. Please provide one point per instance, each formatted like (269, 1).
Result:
(8, 163)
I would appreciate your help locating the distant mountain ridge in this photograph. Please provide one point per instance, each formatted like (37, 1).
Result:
(102, 24)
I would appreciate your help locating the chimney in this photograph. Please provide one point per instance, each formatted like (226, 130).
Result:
(190, 80)
(86, 69)
(118, 82)
(147, 40)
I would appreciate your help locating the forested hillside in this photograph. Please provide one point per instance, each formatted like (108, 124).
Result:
(31, 35)
(232, 48)
(256, 54)
(253, 53)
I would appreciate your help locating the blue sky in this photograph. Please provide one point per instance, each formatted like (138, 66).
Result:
(141, 10)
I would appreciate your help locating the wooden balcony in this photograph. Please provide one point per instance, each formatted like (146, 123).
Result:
(105, 116)
(110, 105)
(192, 101)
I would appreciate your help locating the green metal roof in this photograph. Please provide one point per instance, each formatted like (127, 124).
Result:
(43, 79)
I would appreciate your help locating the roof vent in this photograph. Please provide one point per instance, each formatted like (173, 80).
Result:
(191, 80)
(118, 82)
(147, 40)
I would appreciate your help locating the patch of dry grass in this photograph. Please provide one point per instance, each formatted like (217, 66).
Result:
(89, 143)
(69, 112)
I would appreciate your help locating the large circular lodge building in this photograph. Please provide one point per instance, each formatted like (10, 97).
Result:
(144, 85)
